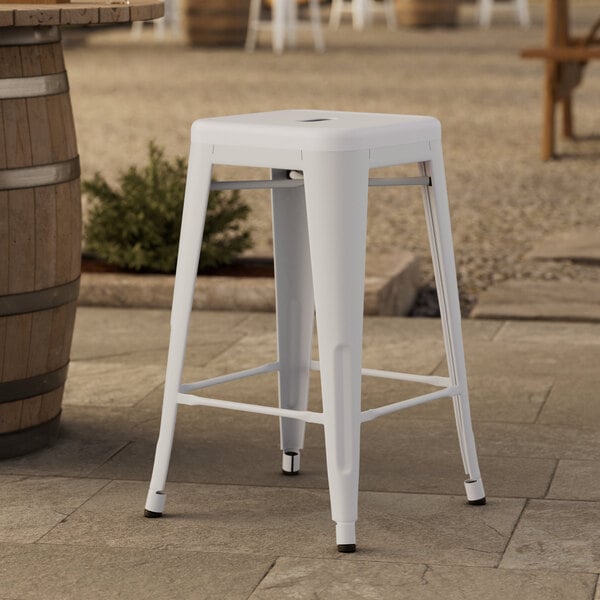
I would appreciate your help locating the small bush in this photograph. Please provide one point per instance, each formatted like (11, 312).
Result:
(137, 226)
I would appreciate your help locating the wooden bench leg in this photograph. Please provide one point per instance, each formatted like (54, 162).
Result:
(567, 128)
(549, 102)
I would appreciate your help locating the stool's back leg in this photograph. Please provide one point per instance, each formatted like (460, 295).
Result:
(192, 226)
(291, 23)
(336, 185)
(522, 10)
(295, 313)
(335, 14)
(278, 24)
(442, 252)
(253, 25)
(485, 12)
(315, 21)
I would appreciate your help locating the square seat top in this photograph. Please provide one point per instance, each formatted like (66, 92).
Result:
(316, 130)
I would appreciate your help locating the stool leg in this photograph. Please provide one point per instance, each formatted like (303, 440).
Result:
(336, 185)
(522, 10)
(192, 226)
(291, 23)
(253, 24)
(295, 314)
(390, 15)
(485, 12)
(359, 14)
(315, 21)
(440, 237)
(335, 13)
(278, 25)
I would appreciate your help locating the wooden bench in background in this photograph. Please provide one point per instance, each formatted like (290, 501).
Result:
(566, 57)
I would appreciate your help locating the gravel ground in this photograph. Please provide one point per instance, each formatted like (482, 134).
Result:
(503, 197)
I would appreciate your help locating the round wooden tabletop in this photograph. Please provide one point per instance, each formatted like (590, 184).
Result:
(79, 13)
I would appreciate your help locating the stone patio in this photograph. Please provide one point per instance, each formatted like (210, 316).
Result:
(235, 528)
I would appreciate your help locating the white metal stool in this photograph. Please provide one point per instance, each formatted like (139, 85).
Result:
(320, 163)
(362, 12)
(283, 24)
(521, 8)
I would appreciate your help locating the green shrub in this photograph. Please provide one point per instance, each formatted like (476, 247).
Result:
(137, 226)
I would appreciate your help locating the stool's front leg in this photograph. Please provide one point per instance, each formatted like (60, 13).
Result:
(336, 186)
(192, 225)
(295, 314)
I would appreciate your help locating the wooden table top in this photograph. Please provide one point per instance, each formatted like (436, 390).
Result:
(79, 13)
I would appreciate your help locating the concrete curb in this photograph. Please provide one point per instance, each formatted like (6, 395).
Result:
(391, 285)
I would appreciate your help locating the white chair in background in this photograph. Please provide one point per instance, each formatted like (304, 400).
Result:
(283, 24)
(362, 12)
(521, 8)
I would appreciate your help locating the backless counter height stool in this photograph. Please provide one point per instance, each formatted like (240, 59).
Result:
(320, 163)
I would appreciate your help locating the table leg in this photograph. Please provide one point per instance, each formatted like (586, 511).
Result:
(40, 236)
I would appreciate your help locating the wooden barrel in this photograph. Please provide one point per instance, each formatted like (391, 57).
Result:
(40, 236)
(427, 13)
(216, 22)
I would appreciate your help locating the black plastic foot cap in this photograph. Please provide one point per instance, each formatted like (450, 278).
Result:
(149, 514)
(479, 502)
(290, 472)
(347, 548)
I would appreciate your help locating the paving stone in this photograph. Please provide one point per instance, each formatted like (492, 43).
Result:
(217, 448)
(424, 457)
(110, 383)
(573, 401)
(33, 506)
(580, 245)
(548, 332)
(558, 535)
(576, 480)
(553, 300)
(120, 331)
(537, 441)
(305, 579)
(492, 397)
(255, 322)
(526, 359)
(394, 328)
(67, 457)
(107, 423)
(126, 380)
(100, 573)
(275, 521)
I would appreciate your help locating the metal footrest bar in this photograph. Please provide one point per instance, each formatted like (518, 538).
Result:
(428, 379)
(374, 413)
(198, 385)
(271, 184)
(400, 181)
(256, 184)
(302, 415)
(309, 416)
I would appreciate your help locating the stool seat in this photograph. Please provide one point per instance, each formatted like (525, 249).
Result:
(318, 130)
(320, 163)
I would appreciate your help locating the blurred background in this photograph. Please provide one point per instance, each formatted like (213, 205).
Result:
(132, 85)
